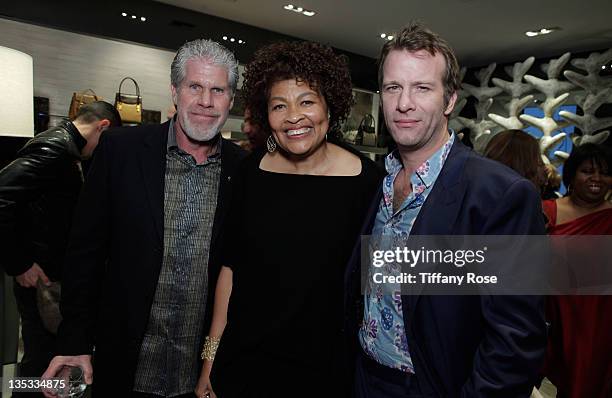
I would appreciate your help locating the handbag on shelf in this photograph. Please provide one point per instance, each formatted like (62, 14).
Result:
(129, 106)
(79, 99)
(366, 133)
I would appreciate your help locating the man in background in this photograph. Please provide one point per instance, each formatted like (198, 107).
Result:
(38, 194)
(256, 137)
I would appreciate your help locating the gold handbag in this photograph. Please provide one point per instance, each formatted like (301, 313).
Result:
(129, 105)
(80, 99)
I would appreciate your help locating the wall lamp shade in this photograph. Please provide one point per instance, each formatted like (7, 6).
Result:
(16, 93)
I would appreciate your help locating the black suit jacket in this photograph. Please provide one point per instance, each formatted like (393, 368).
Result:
(115, 252)
(469, 346)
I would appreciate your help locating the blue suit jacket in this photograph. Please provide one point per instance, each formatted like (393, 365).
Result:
(469, 346)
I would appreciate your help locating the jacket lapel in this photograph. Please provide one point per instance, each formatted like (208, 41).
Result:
(440, 210)
(153, 163)
(230, 157)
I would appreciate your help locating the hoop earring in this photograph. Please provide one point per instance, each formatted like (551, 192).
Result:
(271, 144)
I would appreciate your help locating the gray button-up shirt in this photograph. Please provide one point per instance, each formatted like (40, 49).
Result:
(169, 354)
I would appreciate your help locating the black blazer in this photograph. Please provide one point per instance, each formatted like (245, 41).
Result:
(115, 252)
(469, 346)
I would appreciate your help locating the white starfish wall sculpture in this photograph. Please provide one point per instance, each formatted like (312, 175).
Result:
(478, 132)
(484, 91)
(559, 157)
(516, 88)
(598, 91)
(547, 124)
(552, 86)
(461, 93)
(556, 92)
(588, 123)
(514, 107)
(454, 122)
(479, 128)
(592, 82)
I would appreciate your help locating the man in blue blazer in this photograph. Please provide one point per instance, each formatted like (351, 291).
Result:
(441, 346)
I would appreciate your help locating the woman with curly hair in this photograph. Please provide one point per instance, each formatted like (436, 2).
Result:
(290, 233)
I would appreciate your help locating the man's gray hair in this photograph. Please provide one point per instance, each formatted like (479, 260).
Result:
(208, 50)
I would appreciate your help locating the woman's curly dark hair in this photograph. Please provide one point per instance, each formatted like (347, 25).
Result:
(310, 62)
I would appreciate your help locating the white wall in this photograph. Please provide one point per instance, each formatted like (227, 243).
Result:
(65, 62)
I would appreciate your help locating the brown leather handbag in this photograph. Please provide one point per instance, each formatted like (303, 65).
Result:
(129, 105)
(79, 99)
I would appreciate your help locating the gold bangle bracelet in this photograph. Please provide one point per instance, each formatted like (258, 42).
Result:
(210, 348)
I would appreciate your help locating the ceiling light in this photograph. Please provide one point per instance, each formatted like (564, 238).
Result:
(542, 31)
(299, 10)
(143, 19)
(383, 35)
(603, 67)
(133, 16)
(233, 40)
(389, 37)
(123, 14)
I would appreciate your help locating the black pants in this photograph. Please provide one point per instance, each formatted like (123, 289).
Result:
(38, 343)
(373, 380)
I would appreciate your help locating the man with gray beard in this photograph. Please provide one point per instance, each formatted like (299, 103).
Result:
(142, 260)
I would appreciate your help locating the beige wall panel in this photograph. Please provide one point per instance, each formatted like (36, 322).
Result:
(65, 62)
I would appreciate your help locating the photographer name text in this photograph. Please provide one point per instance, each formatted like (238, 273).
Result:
(433, 278)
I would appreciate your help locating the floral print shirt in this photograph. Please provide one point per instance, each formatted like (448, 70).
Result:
(382, 334)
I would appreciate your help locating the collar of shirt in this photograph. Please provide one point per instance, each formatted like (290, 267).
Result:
(172, 145)
(393, 162)
(76, 135)
(422, 179)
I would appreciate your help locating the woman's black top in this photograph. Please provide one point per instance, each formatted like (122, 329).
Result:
(288, 239)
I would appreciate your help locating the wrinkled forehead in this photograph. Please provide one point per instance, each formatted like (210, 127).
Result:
(202, 68)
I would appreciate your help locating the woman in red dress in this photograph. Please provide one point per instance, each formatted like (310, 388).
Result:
(579, 359)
